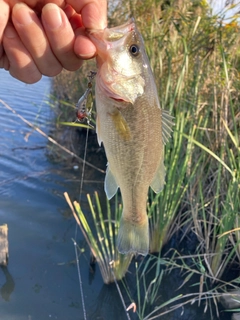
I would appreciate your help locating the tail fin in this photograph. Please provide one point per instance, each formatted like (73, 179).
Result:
(133, 238)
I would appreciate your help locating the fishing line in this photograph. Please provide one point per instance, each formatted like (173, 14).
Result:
(84, 110)
(119, 290)
(48, 137)
(76, 230)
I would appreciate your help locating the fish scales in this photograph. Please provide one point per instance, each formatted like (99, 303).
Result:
(129, 123)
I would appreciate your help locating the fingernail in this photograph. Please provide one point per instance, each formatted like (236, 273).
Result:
(83, 47)
(9, 32)
(51, 16)
(22, 14)
(87, 56)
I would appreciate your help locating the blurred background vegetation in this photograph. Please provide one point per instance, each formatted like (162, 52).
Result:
(194, 55)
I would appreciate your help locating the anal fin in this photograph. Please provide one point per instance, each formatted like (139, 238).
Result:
(110, 184)
(158, 181)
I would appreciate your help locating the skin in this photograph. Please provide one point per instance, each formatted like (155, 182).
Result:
(32, 45)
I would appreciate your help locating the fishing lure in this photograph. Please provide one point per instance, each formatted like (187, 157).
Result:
(85, 103)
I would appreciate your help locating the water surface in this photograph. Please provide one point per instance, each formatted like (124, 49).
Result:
(41, 280)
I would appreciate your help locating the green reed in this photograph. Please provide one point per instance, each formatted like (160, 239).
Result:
(101, 238)
(195, 58)
(200, 87)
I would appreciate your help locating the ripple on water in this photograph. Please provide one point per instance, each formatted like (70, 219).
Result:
(31, 202)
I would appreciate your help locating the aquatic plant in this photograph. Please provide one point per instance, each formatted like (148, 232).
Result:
(200, 87)
(112, 264)
(195, 58)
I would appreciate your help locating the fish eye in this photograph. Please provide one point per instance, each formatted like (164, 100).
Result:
(134, 50)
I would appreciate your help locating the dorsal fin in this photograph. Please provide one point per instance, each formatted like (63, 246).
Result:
(167, 124)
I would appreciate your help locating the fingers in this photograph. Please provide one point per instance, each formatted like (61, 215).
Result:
(74, 18)
(60, 36)
(4, 62)
(17, 59)
(4, 16)
(34, 39)
(83, 46)
(37, 5)
(94, 12)
(31, 47)
(93, 16)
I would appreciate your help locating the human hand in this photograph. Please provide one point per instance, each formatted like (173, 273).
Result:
(34, 47)
(15, 55)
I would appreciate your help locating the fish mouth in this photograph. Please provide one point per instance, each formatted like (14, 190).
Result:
(105, 39)
(118, 99)
(113, 33)
(110, 80)
(111, 92)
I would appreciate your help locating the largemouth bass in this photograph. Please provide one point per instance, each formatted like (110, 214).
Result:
(132, 127)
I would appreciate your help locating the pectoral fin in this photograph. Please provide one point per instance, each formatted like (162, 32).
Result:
(159, 179)
(110, 184)
(98, 131)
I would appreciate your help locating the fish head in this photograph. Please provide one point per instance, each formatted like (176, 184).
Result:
(123, 66)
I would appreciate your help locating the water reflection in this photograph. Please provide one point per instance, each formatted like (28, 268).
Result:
(8, 287)
(32, 205)
(108, 305)
(42, 269)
